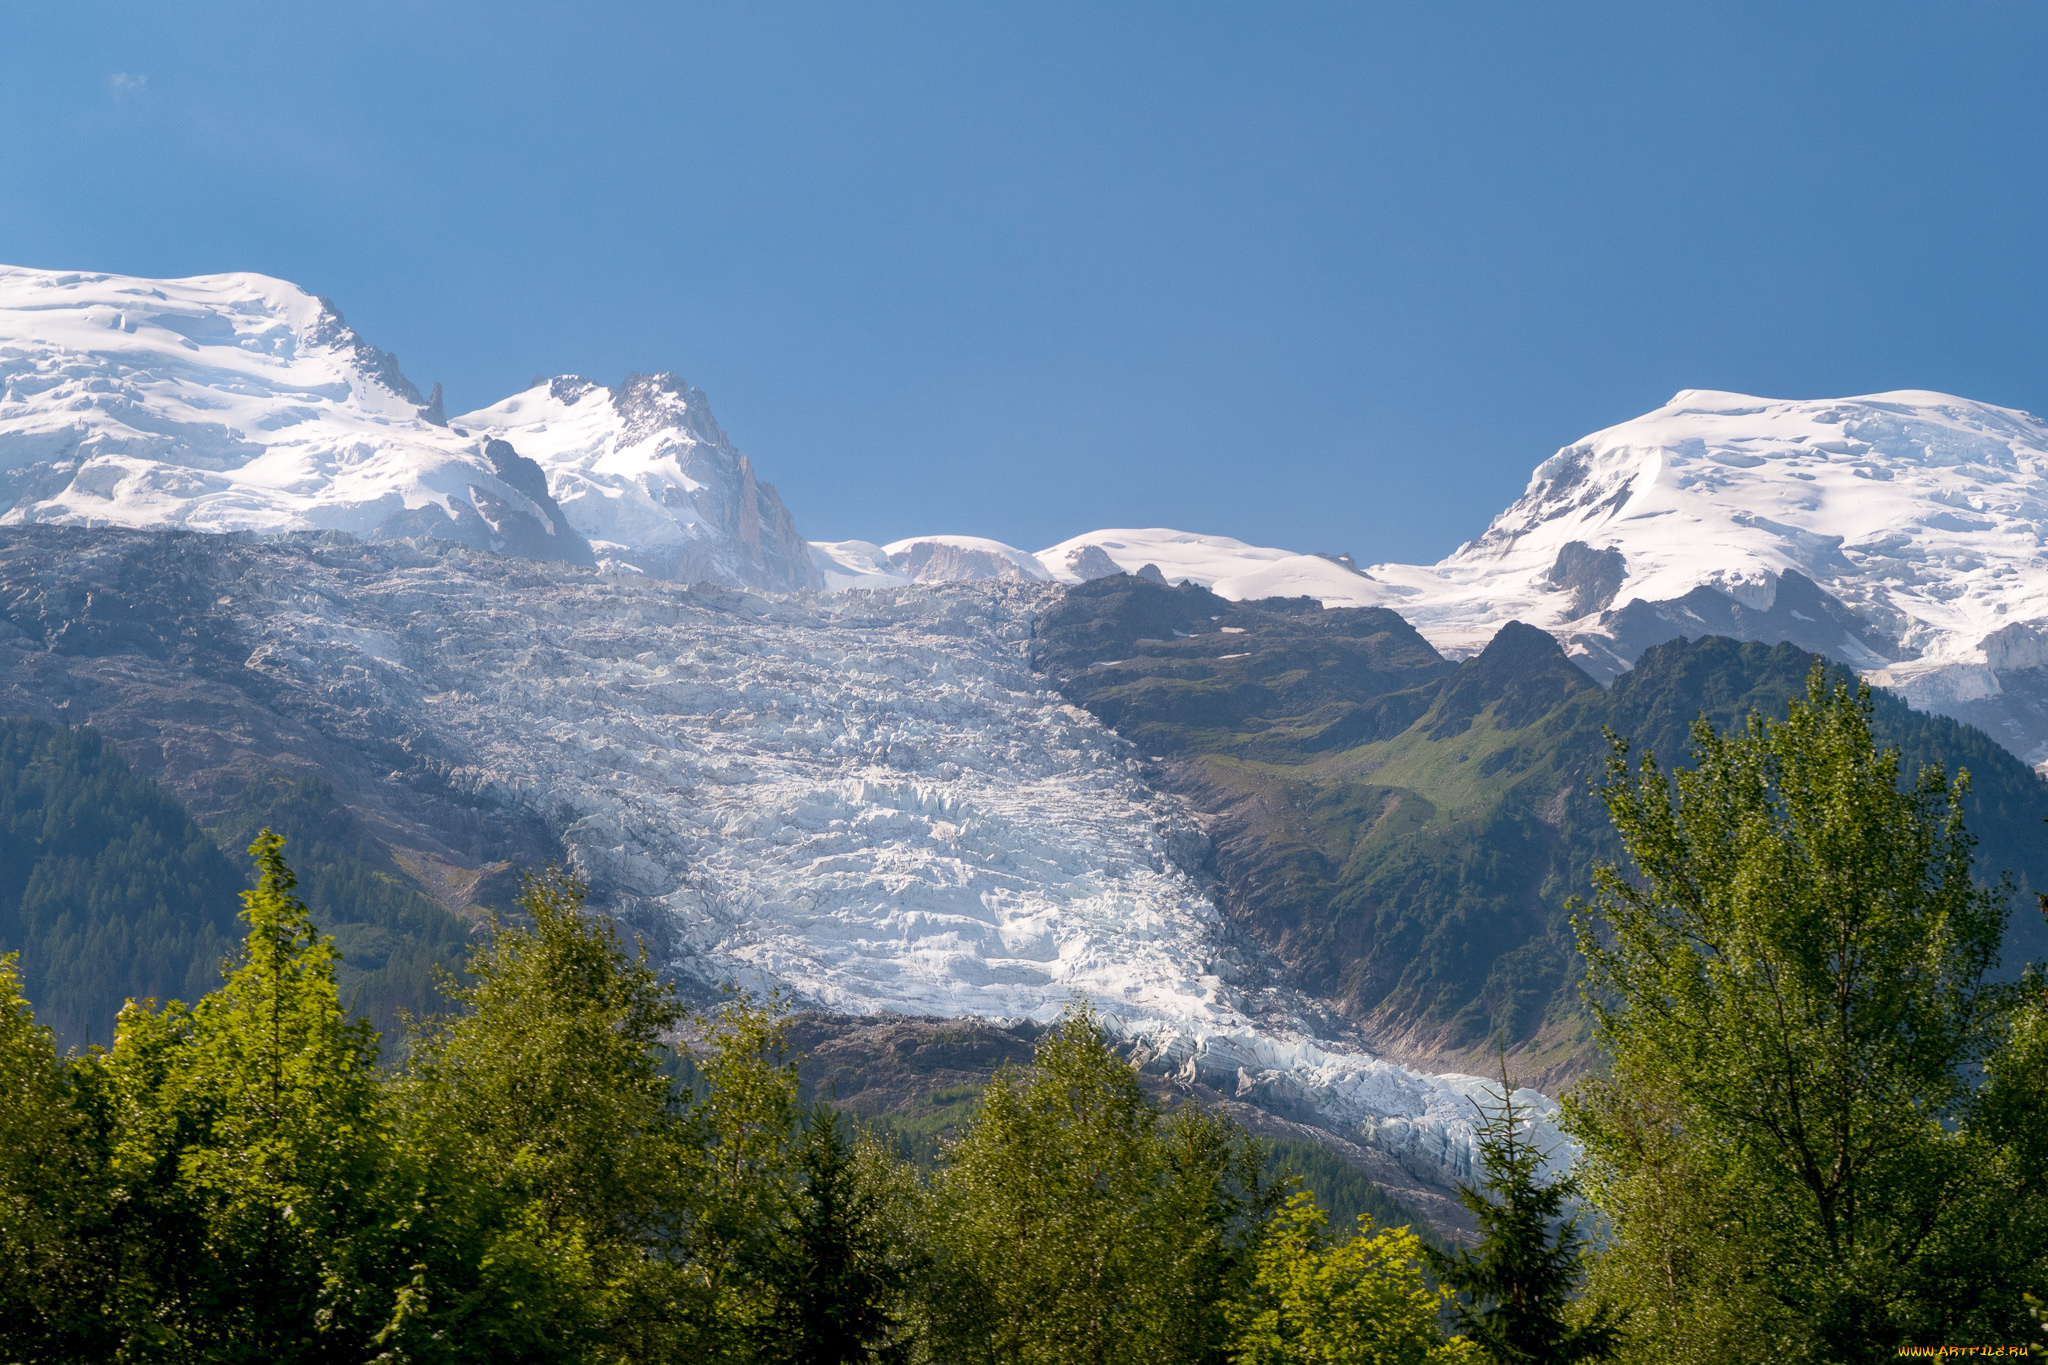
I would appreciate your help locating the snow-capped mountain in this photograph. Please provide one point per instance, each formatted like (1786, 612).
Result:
(1231, 568)
(1898, 532)
(1902, 533)
(645, 472)
(243, 403)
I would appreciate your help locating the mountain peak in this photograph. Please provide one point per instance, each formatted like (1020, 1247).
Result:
(239, 402)
(644, 469)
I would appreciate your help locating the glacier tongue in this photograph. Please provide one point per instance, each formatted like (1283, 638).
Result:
(869, 800)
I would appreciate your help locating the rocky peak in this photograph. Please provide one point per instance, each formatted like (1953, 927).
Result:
(644, 471)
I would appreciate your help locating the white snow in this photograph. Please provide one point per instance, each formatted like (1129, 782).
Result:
(218, 403)
(646, 469)
(243, 403)
(961, 559)
(849, 564)
(1925, 513)
(1229, 568)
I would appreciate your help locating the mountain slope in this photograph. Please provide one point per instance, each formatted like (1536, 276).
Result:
(1401, 831)
(109, 889)
(243, 403)
(870, 800)
(1900, 533)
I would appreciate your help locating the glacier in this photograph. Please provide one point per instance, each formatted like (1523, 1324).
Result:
(868, 801)
(827, 766)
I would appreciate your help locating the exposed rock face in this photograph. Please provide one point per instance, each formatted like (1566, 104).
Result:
(1788, 609)
(1091, 562)
(647, 474)
(1591, 576)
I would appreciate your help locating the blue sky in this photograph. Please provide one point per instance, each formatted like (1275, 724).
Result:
(1328, 277)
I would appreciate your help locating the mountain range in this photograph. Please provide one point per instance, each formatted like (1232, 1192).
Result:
(1303, 828)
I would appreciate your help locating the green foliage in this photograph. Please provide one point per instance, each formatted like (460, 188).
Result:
(840, 1266)
(1515, 1289)
(569, 1167)
(254, 1152)
(392, 940)
(1793, 991)
(565, 1155)
(55, 1201)
(1084, 1225)
(107, 888)
(1347, 1195)
(110, 891)
(1359, 1302)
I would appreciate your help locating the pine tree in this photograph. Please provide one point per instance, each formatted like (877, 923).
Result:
(834, 1278)
(1516, 1288)
(254, 1154)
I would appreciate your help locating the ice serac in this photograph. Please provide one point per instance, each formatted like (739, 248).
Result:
(870, 800)
(237, 403)
(646, 473)
(1900, 532)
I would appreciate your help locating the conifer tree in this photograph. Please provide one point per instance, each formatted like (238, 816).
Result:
(253, 1154)
(835, 1280)
(1516, 1287)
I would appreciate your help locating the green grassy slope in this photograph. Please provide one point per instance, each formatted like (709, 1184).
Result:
(1403, 832)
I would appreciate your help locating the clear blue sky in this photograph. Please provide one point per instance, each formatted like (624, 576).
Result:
(1329, 277)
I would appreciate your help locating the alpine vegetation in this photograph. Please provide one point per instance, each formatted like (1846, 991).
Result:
(1818, 1135)
(568, 1165)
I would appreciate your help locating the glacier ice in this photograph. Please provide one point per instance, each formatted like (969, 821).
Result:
(868, 800)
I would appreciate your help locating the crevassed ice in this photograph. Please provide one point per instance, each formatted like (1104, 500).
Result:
(869, 801)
